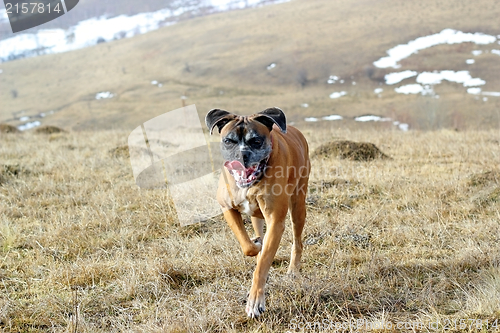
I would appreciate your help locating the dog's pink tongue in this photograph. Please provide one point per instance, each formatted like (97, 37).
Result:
(234, 165)
(240, 168)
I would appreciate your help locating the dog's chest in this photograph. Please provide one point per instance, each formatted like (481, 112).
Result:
(245, 203)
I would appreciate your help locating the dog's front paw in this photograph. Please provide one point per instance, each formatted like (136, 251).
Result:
(257, 241)
(256, 303)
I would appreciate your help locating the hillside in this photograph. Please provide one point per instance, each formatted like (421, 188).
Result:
(222, 61)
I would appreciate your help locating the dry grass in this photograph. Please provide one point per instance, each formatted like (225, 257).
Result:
(409, 238)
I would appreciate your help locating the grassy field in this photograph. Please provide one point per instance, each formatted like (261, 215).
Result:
(413, 239)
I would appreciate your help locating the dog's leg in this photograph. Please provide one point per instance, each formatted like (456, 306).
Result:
(298, 215)
(235, 222)
(258, 227)
(276, 225)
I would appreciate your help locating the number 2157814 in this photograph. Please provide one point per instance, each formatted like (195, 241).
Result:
(31, 7)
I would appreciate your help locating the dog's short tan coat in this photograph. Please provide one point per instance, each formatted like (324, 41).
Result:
(282, 188)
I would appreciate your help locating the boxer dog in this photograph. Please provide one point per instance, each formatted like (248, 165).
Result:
(265, 174)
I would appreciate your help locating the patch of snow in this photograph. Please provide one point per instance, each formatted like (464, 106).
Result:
(458, 77)
(338, 94)
(304, 105)
(474, 91)
(485, 99)
(28, 126)
(477, 52)
(333, 117)
(25, 118)
(371, 118)
(42, 115)
(404, 127)
(495, 51)
(1, 71)
(447, 36)
(271, 66)
(103, 95)
(311, 119)
(160, 85)
(470, 61)
(394, 78)
(341, 81)
(378, 90)
(154, 82)
(410, 89)
(332, 79)
(353, 83)
(491, 93)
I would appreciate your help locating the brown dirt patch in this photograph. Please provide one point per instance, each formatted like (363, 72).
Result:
(485, 178)
(120, 152)
(49, 130)
(6, 128)
(356, 151)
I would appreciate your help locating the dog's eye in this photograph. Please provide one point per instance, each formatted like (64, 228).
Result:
(255, 141)
(228, 141)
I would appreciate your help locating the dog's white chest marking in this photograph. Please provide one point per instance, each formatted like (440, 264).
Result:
(246, 207)
(242, 203)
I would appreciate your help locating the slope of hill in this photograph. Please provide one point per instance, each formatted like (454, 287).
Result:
(279, 55)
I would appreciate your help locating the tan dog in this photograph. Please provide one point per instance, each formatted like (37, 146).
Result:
(266, 174)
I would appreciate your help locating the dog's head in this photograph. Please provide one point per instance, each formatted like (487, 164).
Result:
(246, 141)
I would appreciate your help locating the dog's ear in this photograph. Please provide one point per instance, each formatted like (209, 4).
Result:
(219, 118)
(272, 116)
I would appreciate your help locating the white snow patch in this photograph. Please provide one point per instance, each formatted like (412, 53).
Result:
(271, 66)
(1, 71)
(447, 36)
(404, 127)
(477, 52)
(304, 105)
(333, 117)
(338, 94)
(470, 61)
(103, 95)
(25, 118)
(458, 77)
(491, 93)
(378, 90)
(495, 51)
(394, 78)
(410, 89)
(154, 82)
(28, 126)
(371, 118)
(353, 83)
(311, 119)
(332, 79)
(474, 91)
(485, 99)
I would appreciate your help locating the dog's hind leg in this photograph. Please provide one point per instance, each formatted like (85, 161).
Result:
(258, 227)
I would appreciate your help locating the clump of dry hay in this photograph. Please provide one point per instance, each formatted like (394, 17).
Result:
(120, 152)
(485, 178)
(49, 130)
(11, 170)
(6, 128)
(356, 151)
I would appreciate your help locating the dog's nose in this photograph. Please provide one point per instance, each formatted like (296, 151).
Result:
(246, 157)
